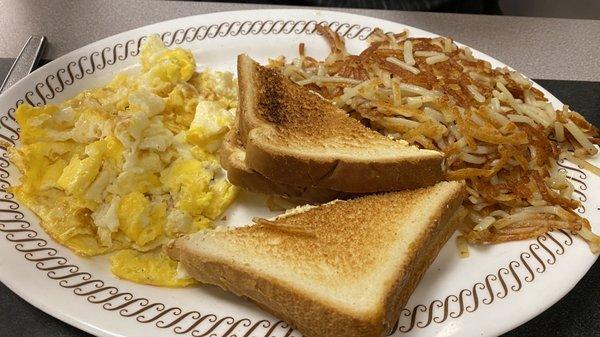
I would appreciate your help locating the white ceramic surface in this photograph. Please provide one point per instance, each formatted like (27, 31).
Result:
(498, 288)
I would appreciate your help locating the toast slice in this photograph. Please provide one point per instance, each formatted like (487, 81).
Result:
(232, 158)
(345, 268)
(293, 136)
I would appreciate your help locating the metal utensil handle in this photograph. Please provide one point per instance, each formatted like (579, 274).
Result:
(28, 58)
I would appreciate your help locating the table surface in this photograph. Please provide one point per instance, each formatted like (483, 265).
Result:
(560, 49)
(564, 59)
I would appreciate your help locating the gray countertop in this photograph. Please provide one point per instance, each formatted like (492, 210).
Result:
(560, 49)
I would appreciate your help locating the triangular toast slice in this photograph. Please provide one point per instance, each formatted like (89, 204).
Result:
(345, 268)
(293, 136)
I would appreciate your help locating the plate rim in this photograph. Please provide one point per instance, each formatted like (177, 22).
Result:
(285, 13)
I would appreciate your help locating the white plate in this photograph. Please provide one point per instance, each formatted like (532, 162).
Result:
(498, 288)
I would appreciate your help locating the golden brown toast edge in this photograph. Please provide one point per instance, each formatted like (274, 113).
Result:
(437, 238)
(347, 176)
(240, 175)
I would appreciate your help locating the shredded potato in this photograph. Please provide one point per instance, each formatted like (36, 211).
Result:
(498, 132)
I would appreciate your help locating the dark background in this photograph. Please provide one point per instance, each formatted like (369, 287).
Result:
(573, 9)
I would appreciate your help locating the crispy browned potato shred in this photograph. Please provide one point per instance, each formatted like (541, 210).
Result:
(498, 132)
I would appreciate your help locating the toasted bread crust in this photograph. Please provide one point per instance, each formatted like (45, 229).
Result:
(344, 175)
(239, 174)
(313, 316)
(276, 116)
(439, 233)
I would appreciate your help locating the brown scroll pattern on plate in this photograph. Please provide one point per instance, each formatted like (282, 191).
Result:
(536, 259)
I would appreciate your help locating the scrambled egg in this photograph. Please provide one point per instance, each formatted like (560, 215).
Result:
(128, 166)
